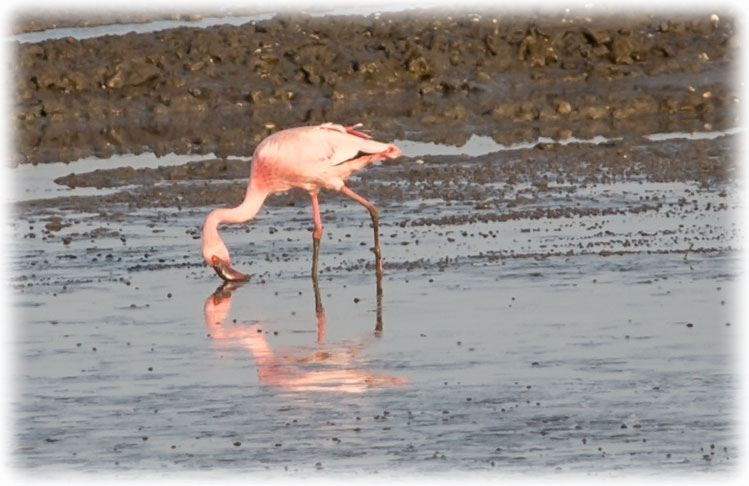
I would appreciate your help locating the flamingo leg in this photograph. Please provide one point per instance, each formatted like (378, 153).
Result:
(319, 310)
(374, 213)
(316, 234)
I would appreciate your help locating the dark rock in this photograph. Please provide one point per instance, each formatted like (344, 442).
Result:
(621, 49)
(597, 37)
(133, 72)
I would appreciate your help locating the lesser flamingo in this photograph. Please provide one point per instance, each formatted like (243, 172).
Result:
(310, 158)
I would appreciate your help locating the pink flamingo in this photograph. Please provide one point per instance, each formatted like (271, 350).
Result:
(310, 158)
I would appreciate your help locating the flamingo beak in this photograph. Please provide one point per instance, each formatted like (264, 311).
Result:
(225, 271)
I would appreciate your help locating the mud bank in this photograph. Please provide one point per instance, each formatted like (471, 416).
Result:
(424, 76)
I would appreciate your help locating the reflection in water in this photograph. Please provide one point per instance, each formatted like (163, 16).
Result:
(330, 369)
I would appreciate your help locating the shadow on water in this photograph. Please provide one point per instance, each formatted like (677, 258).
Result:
(323, 366)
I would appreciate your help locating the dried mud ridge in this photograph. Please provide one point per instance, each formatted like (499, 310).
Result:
(424, 76)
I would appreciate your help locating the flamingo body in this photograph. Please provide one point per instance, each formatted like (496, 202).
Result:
(310, 158)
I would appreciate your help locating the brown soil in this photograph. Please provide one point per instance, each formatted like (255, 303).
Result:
(425, 76)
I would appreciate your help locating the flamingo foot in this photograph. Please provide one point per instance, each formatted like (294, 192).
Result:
(225, 271)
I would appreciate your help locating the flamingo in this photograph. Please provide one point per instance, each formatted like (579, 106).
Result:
(310, 158)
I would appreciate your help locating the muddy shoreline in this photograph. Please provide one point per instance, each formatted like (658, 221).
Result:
(424, 76)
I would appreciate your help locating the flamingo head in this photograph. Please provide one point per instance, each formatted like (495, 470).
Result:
(214, 251)
(217, 256)
(225, 270)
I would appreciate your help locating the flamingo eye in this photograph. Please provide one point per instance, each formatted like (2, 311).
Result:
(214, 259)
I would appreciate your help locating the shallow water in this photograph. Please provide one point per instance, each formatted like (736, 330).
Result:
(490, 357)
(207, 21)
(38, 181)
(501, 369)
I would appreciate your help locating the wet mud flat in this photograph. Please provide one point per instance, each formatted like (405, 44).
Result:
(560, 307)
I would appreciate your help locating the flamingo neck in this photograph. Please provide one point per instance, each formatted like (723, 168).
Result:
(247, 210)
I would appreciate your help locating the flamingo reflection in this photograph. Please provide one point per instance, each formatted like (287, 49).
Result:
(329, 369)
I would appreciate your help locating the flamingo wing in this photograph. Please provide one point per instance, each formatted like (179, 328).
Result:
(325, 145)
(330, 144)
